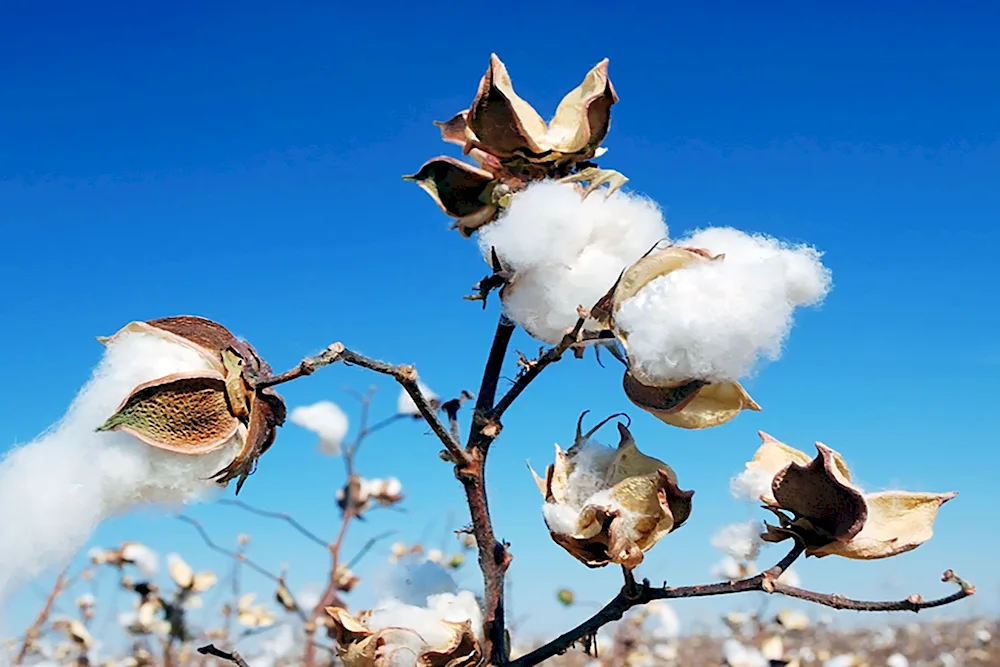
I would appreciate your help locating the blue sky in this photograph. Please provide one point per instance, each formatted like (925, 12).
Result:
(151, 153)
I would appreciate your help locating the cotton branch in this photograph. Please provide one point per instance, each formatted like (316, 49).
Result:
(308, 534)
(34, 631)
(766, 582)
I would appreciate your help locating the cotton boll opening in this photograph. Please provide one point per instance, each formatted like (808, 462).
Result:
(567, 251)
(326, 420)
(715, 320)
(55, 490)
(751, 484)
(739, 540)
(585, 486)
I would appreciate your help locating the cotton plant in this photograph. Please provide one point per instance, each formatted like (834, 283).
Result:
(179, 407)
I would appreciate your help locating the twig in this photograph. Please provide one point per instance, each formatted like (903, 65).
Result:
(372, 541)
(233, 657)
(207, 539)
(766, 581)
(308, 534)
(34, 631)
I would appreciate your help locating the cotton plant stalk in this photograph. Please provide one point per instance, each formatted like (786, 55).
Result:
(168, 417)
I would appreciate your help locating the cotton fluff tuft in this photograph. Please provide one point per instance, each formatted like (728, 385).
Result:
(751, 484)
(739, 540)
(567, 251)
(715, 320)
(405, 404)
(55, 490)
(326, 420)
(585, 486)
(414, 630)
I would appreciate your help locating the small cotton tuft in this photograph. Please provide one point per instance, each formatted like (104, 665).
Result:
(716, 320)
(751, 484)
(326, 420)
(739, 540)
(55, 490)
(585, 486)
(567, 251)
(405, 404)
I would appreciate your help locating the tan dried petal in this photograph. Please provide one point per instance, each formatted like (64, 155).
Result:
(180, 572)
(820, 492)
(583, 116)
(502, 121)
(457, 131)
(183, 412)
(462, 649)
(898, 521)
(690, 404)
(772, 457)
(347, 629)
(459, 189)
(656, 263)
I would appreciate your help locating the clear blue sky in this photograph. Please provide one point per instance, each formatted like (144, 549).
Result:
(149, 153)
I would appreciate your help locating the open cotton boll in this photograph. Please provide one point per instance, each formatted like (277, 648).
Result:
(715, 320)
(405, 404)
(567, 251)
(55, 490)
(751, 484)
(458, 608)
(415, 578)
(585, 485)
(326, 420)
(739, 540)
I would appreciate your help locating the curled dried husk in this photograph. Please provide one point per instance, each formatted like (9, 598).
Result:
(358, 646)
(644, 504)
(816, 502)
(199, 412)
(688, 403)
(462, 191)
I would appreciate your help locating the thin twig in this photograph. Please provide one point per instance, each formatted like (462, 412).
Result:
(283, 516)
(233, 657)
(34, 631)
(372, 541)
(766, 582)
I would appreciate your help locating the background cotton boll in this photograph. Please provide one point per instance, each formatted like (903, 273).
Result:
(739, 540)
(56, 490)
(567, 251)
(326, 420)
(405, 404)
(414, 579)
(661, 624)
(715, 320)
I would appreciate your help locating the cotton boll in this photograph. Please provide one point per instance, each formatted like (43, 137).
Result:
(715, 320)
(458, 608)
(661, 625)
(728, 568)
(739, 540)
(567, 251)
(144, 558)
(55, 490)
(326, 420)
(405, 404)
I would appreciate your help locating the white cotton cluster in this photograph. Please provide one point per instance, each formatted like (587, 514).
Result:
(415, 578)
(326, 420)
(732, 569)
(739, 540)
(738, 654)
(413, 630)
(383, 491)
(661, 624)
(405, 404)
(716, 320)
(567, 251)
(586, 485)
(55, 490)
(751, 484)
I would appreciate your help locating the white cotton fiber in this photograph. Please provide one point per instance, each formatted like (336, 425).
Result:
(418, 629)
(715, 320)
(56, 490)
(752, 484)
(326, 420)
(567, 251)
(405, 404)
(739, 540)
(586, 485)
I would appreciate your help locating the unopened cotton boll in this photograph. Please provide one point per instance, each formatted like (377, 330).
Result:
(714, 320)
(326, 420)
(566, 251)
(55, 490)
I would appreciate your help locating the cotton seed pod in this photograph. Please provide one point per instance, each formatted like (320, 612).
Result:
(816, 501)
(513, 145)
(201, 411)
(610, 506)
(684, 402)
(185, 577)
(358, 646)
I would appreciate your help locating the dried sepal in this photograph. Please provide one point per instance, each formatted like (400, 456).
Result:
(462, 191)
(583, 117)
(690, 404)
(898, 521)
(503, 123)
(183, 412)
(186, 578)
(816, 503)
